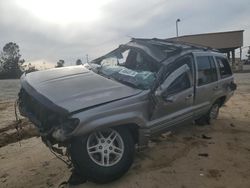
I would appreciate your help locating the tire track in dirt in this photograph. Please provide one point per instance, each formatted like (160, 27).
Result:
(9, 134)
(154, 159)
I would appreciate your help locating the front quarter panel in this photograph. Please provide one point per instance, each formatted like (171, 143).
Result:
(133, 110)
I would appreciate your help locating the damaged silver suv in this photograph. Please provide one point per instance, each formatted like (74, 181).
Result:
(100, 111)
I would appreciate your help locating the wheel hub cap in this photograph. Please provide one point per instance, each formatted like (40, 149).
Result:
(105, 148)
(214, 112)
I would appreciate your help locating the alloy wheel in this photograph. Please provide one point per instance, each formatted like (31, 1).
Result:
(105, 147)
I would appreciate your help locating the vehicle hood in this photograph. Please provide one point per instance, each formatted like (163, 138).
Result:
(73, 88)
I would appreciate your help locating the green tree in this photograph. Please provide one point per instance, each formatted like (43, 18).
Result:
(11, 60)
(60, 63)
(78, 62)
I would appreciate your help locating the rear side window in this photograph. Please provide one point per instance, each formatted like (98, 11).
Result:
(224, 67)
(206, 70)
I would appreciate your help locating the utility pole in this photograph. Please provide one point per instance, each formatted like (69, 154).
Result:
(87, 58)
(176, 24)
(240, 53)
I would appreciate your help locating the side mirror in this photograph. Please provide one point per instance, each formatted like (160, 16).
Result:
(163, 94)
(159, 91)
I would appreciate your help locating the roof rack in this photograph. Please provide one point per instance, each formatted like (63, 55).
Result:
(198, 46)
(178, 44)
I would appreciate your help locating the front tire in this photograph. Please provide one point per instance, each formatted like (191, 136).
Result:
(103, 156)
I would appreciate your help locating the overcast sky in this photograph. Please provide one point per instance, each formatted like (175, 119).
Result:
(49, 30)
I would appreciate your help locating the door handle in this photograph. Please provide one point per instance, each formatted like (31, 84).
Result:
(189, 96)
(215, 88)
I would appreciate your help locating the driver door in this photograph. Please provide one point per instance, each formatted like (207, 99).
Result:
(175, 97)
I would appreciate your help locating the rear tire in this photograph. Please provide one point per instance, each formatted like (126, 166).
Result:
(211, 115)
(104, 157)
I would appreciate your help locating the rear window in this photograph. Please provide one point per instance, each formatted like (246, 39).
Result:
(224, 67)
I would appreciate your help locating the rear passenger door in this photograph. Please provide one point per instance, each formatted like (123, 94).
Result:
(225, 75)
(206, 87)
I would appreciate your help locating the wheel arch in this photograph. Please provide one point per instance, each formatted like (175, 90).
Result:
(221, 100)
(133, 129)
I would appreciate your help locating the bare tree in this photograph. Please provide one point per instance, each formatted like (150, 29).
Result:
(78, 62)
(60, 63)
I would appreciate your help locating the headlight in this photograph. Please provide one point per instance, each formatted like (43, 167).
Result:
(70, 124)
(60, 134)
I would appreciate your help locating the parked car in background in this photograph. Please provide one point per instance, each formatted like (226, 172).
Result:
(100, 111)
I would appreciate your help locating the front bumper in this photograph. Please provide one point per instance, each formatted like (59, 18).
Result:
(50, 125)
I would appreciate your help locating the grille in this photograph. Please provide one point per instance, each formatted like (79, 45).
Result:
(31, 106)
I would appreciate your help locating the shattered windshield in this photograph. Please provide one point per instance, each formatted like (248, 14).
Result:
(127, 66)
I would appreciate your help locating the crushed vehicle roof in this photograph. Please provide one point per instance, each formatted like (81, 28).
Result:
(158, 49)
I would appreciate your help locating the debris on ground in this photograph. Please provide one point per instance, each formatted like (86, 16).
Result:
(205, 137)
(203, 154)
(214, 173)
(232, 125)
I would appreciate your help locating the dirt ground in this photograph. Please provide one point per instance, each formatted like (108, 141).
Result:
(215, 156)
